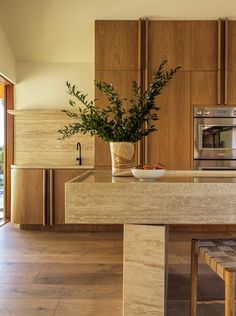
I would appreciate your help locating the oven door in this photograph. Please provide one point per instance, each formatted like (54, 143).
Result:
(215, 138)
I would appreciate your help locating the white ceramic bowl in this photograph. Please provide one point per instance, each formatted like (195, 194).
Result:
(149, 174)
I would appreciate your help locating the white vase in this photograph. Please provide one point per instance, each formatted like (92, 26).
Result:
(122, 158)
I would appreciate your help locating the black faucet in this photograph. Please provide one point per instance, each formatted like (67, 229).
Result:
(79, 158)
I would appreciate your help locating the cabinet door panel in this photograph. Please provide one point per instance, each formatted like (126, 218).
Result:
(231, 88)
(169, 40)
(170, 145)
(204, 45)
(122, 82)
(28, 196)
(60, 177)
(116, 45)
(231, 45)
(203, 87)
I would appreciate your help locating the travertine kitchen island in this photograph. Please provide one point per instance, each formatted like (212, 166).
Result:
(146, 209)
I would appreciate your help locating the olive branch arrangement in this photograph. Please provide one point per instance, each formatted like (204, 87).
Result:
(117, 122)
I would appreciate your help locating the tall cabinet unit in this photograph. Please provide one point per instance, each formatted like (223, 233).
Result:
(116, 62)
(170, 145)
(132, 50)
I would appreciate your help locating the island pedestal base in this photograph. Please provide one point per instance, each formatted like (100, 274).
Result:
(144, 272)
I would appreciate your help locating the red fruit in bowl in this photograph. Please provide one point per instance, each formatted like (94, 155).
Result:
(147, 167)
(159, 166)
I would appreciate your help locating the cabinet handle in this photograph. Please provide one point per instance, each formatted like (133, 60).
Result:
(50, 197)
(44, 197)
(226, 63)
(140, 77)
(219, 66)
(146, 82)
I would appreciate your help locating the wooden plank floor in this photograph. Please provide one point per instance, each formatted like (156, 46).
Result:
(80, 274)
(60, 274)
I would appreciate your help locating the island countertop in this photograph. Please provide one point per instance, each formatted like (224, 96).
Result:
(179, 197)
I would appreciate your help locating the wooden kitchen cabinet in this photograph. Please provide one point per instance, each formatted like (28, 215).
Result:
(204, 45)
(230, 63)
(213, 64)
(171, 144)
(205, 65)
(28, 201)
(59, 178)
(116, 45)
(169, 40)
(117, 61)
(38, 195)
(203, 87)
(156, 41)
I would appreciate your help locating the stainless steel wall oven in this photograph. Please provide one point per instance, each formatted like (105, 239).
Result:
(215, 138)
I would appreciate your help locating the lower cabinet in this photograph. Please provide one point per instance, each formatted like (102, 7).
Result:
(28, 199)
(59, 178)
(38, 195)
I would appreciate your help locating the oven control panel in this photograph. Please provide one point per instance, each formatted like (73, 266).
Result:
(214, 112)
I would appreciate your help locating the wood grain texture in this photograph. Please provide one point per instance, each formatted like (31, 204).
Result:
(122, 82)
(51, 285)
(169, 40)
(116, 45)
(231, 91)
(60, 177)
(229, 293)
(171, 144)
(36, 140)
(144, 270)
(170, 200)
(204, 36)
(203, 87)
(28, 198)
(231, 65)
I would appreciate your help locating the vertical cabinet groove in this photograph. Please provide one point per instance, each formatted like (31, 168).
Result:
(44, 196)
(219, 66)
(226, 62)
(51, 197)
(146, 79)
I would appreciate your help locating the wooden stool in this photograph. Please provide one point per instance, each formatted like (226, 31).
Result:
(220, 255)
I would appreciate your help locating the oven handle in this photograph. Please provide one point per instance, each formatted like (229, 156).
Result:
(216, 168)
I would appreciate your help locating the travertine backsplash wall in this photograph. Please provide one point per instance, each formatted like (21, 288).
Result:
(36, 139)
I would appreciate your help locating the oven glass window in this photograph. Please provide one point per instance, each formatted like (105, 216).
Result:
(220, 137)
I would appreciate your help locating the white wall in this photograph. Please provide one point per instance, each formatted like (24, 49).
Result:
(43, 85)
(7, 59)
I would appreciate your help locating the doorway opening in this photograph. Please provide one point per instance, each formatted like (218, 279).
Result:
(6, 148)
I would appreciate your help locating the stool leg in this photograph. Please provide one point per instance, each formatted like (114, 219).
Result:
(229, 293)
(194, 279)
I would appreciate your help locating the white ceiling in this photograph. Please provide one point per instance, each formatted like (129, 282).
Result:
(63, 30)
